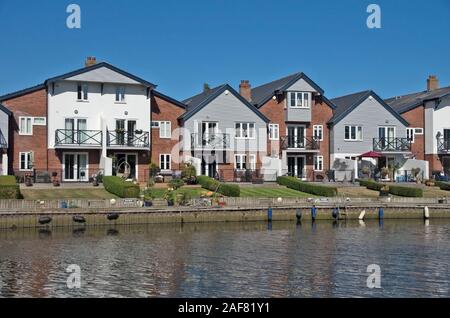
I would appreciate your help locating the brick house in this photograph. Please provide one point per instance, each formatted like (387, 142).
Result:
(298, 141)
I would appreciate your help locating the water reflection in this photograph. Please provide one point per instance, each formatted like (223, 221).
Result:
(326, 259)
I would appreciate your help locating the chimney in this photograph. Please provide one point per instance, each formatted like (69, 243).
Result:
(90, 60)
(432, 83)
(245, 89)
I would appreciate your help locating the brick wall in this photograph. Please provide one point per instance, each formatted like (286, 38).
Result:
(32, 104)
(163, 110)
(416, 119)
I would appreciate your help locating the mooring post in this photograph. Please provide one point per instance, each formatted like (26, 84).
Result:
(269, 214)
(426, 213)
(380, 213)
(298, 215)
(313, 213)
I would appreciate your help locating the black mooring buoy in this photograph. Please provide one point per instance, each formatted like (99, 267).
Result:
(298, 215)
(335, 213)
(44, 219)
(112, 216)
(79, 219)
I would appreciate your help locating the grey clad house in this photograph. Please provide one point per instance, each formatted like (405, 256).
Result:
(363, 123)
(5, 114)
(223, 134)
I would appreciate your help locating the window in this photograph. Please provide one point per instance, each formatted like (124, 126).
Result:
(165, 129)
(165, 162)
(253, 162)
(25, 125)
(418, 131)
(120, 94)
(274, 131)
(410, 134)
(245, 130)
(26, 161)
(39, 121)
(318, 163)
(353, 133)
(299, 99)
(155, 124)
(318, 132)
(82, 92)
(240, 162)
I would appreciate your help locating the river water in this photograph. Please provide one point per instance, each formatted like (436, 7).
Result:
(230, 260)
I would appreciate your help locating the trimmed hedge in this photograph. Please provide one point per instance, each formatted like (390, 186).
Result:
(9, 189)
(405, 191)
(295, 184)
(120, 187)
(229, 190)
(443, 185)
(393, 189)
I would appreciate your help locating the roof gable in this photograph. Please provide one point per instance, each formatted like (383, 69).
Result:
(169, 99)
(346, 104)
(5, 110)
(22, 92)
(198, 102)
(102, 72)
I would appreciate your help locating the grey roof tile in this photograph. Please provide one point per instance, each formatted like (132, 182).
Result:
(407, 102)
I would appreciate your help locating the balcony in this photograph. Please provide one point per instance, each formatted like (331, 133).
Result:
(214, 141)
(443, 145)
(66, 138)
(308, 144)
(128, 139)
(392, 144)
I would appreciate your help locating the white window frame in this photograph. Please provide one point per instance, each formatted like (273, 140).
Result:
(28, 160)
(155, 124)
(305, 96)
(242, 161)
(84, 94)
(420, 129)
(44, 123)
(121, 93)
(239, 131)
(274, 131)
(317, 128)
(410, 134)
(252, 161)
(163, 132)
(163, 163)
(26, 118)
(318, 163)
(357, 128)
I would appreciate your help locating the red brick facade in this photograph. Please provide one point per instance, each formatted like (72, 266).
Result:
(164, 110)
(33, 104)
(416, 119)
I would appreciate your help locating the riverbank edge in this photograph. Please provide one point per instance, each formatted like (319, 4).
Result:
(98, 217)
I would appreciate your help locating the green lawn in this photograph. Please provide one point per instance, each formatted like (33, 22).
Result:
(275, 192)
(54, 194)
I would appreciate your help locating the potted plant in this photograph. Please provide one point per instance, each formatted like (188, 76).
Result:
(138, 131)
(28, 180)
(169, 196)
(384, 192)
(153, 170)
(189, 173)
(148, 198)
(384, 173)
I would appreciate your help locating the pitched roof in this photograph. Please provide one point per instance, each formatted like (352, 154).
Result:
(22, 92)
(410, 101)
(169, 99)
(197, 102)
(97, 66)
(346, 104)
(261, 94)
(5, 110)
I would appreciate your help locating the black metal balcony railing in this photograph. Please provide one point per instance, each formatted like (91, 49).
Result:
(214, 141)
(3, 142)
(444, 145)
(67, 137)
(391, 144)
(306, 143)
(135, 139)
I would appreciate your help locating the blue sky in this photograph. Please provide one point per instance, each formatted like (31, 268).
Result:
(180, 45)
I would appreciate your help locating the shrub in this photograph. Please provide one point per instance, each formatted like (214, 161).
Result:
(9, 189)
(295, 184)
(405, 191)
(189, 173)
(371, 184)
(443, 185)
(229, 190)
(120, 187)
(176, 183)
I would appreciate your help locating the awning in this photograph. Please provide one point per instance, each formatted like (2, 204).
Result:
(371, 154)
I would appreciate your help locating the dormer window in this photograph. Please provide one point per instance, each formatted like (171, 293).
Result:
(120, 94)
(82, 92)
(299, 99)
